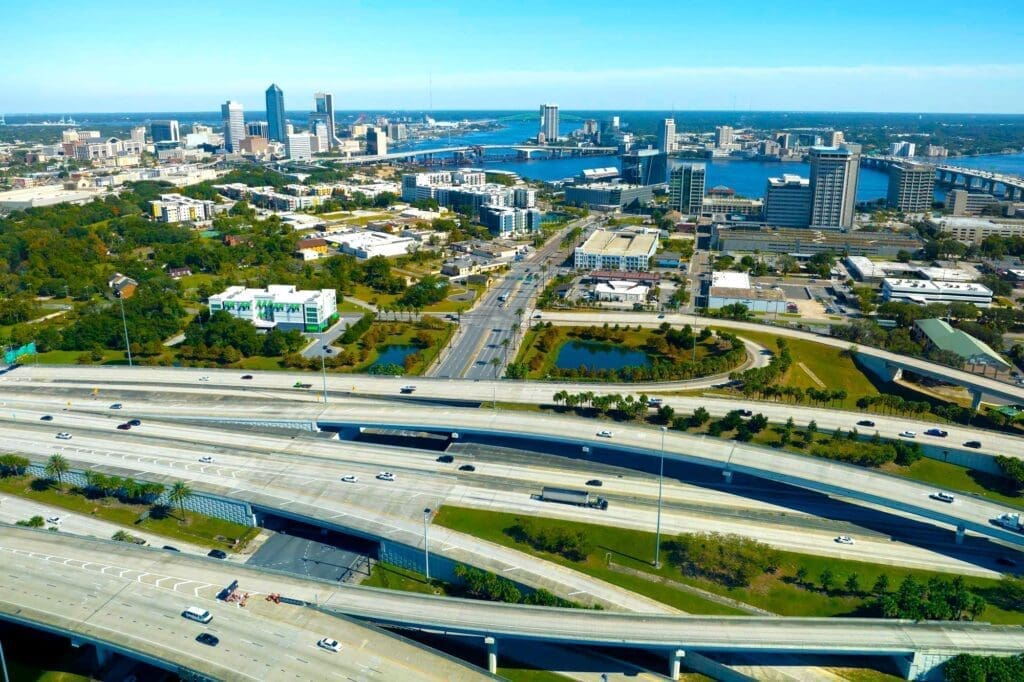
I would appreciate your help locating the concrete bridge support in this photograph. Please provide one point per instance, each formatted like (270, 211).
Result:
(924, 665)
(675, 659)
(975, 400)
(492, 655)
(727, 476)
(103, 654)
(960, 530)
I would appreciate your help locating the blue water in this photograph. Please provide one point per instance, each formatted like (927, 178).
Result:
(596, 356)
(394, 354)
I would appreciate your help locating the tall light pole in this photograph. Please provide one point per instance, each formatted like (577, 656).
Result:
(426, 545)
(323, 363)
(661, 477)
(124, 321)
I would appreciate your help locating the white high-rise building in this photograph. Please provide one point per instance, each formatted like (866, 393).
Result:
(667, 135)
(902, 148)
(549, 122)
(299, 146)
(234, 125)
(834, 173)
(723, 136)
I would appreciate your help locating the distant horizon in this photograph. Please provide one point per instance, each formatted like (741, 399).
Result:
(361, 110)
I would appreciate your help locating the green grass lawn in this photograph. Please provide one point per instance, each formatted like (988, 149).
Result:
(70, 357)
(259, 362)
(956, 477)
(200, 529)
(390, 577)
(371, 296)
(777, 593)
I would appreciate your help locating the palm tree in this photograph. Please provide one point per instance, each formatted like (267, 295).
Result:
(56, 467)
(122, 536)
(178, 494)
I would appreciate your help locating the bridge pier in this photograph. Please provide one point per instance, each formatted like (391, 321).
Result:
(675, 660)
(492, 655)
(923, 665)
(103, 654)
(975, 400)
(960, 534)
(727, 476)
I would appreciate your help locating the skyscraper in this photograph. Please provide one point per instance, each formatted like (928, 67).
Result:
(723, 136)
(644, 167)
(667, 135)
(549, 121)
(834, 186)
(376, 142)
(256, 129)
(165, 131)
(275, 114)
(911, 186)
(325, 106)
(787, 201)
(234, 125)
(686, 188)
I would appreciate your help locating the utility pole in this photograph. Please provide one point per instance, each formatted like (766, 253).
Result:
(323, 363)
(124, 321)
(426, 545)
(661, 478)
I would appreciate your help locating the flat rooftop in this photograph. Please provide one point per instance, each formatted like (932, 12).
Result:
(621, 243)
(925, 286)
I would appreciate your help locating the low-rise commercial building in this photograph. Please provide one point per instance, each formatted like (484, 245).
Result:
(624, 250)
(279, 305)
(620, 291)
(731, 206)
(504, 221)
(608, 196)
(961, 202)
(927, 291)
(366, 244)
(939, 334)
(729, 288)
(974, 230)
(803, 243)
(311, 249)
(178, 208)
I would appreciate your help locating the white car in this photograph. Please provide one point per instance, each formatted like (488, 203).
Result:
(604, 433)
(329, 644)
(206, 459)
(64, 435)
(908, 434)
(943, 497)
(351, 478)
(844, 540)
(54, 520)
(386, 476)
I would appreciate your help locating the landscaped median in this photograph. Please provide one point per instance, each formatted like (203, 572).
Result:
(744, 570)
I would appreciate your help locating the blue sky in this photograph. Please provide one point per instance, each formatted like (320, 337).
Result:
(899, 55)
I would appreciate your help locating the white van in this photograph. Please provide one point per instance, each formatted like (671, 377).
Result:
(197, 614)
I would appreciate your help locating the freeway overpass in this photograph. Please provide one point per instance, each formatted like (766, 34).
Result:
(1012, 186)
(128, 601)
(85, 566)
(526, 151)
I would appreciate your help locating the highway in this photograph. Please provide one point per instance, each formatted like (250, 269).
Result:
(131, 599)
(80, 566)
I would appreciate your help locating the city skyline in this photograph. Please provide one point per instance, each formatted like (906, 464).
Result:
(800, 58)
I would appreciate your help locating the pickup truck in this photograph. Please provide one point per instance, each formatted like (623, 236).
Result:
(299, 384)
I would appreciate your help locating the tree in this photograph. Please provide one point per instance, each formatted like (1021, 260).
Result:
(852, 585)
(34, 522)
(801, 575)
(56, 467)
(179, 493)
(881, 585)
(122, 536)
(13, 465)
(827, 580)
(700, 417)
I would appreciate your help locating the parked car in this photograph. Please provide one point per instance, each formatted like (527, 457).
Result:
(973, 444)
(217, 554)
(595, 482)
(936, 432)
(329, 644)
(124, 427)
(208, 639)
(604, 433)
(446, 459)
(64, 435)
(908, 434)
(350, 478)
(46, 418)
(943, 497)
(467, 467)
(206, 459)
(386, 476)
(865, 422)
(844, 540)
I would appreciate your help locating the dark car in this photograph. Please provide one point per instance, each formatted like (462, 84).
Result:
(217, 554)
(247, 376)
(46, 418)
(171, 548)
(467, 467)
(208, 639)
(595, 482)
(936, 432)
(973, 444)
(134, 422)
(124, 427)
(446, 459)
(1006, 561)
(865, 422)
(745, 413)
(116, 406)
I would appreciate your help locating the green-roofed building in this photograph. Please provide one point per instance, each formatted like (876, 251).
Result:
(939, 334)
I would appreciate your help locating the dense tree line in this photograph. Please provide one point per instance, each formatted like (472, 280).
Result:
(731, 560)
(478, 584)
(573, 545)
(971, 668)
(126, 490)
(221, 336)
(936, 599)
(13, 465)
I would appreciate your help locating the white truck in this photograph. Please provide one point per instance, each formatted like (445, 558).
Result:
(580, 498)
(1011, 521)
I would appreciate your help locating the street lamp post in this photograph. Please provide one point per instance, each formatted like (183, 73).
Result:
(124, 322)
(426, 545)
(323, 363)
(661, 477)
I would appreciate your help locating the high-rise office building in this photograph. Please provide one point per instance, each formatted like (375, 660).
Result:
(299, 146)
(321, 138)
(165, 131)
(275, 114)
(644, 167)
(836, 138)
(902, 148)
(787, 201)
(234, 125)
(723, 136)
(549, 122)
(785, 140)
(686, 188)
(324, 102)
(257, 129)
(911, 186)
(667, 135)
(834, 173)
(376, 142)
